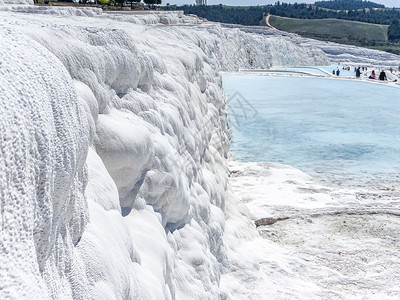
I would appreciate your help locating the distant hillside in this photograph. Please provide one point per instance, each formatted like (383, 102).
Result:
(367, 34)
(333, 29)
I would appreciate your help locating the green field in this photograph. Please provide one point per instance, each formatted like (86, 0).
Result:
(333, 29)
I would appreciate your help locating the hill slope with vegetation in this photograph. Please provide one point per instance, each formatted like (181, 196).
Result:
(333, 29)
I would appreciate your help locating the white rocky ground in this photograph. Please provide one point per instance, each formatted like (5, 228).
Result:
(113, 173)
(323, 242)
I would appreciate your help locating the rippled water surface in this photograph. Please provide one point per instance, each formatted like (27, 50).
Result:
(341, 131)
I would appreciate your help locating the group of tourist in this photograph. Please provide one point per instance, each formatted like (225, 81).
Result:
(382, 75)
(337, 72)
(362, 70)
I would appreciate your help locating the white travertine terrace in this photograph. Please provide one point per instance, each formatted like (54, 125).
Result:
(114, 140)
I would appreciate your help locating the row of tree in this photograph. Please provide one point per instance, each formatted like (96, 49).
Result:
(348, 5)
(394, 32)
(152, 2)
(249, 16)
(305, 11)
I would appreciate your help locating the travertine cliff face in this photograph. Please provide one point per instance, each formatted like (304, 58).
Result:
(114, 135)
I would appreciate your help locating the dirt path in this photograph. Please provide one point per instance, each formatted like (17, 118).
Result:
(267, 22)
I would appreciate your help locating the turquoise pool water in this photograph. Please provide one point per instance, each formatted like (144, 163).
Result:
(340, 131)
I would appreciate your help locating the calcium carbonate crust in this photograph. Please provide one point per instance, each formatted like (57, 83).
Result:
(114, 141)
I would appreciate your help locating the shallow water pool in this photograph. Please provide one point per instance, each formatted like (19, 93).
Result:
(341, 131)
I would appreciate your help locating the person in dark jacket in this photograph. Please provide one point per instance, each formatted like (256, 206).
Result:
(358, 72)
(382, 76)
